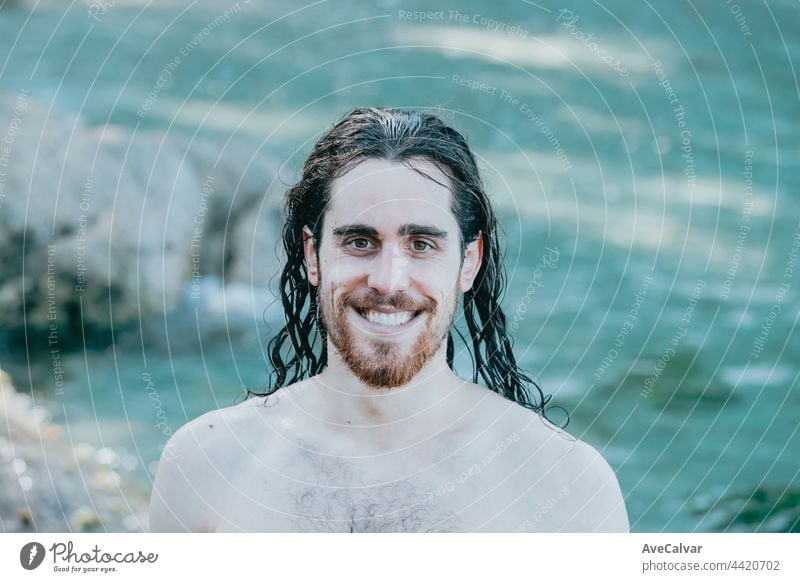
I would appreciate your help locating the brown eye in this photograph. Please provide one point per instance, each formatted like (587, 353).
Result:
(421, 246)
(361, 244)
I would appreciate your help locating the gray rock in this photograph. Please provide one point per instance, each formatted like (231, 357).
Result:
(102, 224)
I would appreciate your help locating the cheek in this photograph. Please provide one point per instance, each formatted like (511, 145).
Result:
(337, 281)
(435, 276)
(344, 276)
(340, 270)
(441, 267)
(441, 286)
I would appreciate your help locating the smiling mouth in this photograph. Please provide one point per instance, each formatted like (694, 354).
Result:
(397, 319)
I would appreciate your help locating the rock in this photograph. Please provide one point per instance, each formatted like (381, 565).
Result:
(85, 519)
(109, 225)
(763, 509)
(677, 383)
(17, 411)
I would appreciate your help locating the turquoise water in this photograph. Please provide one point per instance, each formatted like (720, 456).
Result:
(654, 146)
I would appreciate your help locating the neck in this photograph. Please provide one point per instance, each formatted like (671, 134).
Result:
(388, 418)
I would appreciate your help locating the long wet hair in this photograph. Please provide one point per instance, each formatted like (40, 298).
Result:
(299, 349)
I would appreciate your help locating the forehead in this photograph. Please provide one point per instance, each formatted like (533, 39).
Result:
(386, 193)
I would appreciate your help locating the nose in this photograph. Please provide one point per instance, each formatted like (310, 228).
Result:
(389, 271)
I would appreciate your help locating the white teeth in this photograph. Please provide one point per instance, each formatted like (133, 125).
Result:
(398, 318)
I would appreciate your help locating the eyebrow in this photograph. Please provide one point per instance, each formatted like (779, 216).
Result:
(347, 230)
(422, 230)
(405, 230)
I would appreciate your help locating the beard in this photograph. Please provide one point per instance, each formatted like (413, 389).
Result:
(385, 366)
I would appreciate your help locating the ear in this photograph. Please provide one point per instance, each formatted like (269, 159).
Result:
(310, 252)
(473, 257)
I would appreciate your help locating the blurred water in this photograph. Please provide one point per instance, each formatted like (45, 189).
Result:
(631, 196)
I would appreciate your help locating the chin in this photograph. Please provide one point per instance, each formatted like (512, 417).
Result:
(386, 364)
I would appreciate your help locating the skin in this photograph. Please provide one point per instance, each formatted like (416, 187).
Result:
(338, 452)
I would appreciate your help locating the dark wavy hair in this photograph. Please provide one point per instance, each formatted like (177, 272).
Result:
(299, 349)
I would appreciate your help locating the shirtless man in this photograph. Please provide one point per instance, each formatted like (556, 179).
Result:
(365, 427)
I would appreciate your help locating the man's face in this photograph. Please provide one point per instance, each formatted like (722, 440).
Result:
(390, 269)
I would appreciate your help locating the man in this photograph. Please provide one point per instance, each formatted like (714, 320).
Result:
(366, 428)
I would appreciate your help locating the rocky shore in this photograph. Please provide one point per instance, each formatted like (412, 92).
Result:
(49, 484)
(104, 229)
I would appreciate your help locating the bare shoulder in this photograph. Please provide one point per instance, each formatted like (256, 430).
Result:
(181, 500)
(597, 502)
(569, 486)
(201, 459)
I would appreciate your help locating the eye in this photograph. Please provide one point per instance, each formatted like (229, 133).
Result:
(421, 246)
(361, 244)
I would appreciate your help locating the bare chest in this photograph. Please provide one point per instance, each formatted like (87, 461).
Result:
(401, 494)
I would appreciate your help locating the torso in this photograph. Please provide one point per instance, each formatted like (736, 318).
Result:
(273, 478)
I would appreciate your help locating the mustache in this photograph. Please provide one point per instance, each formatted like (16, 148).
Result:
(399, 301)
